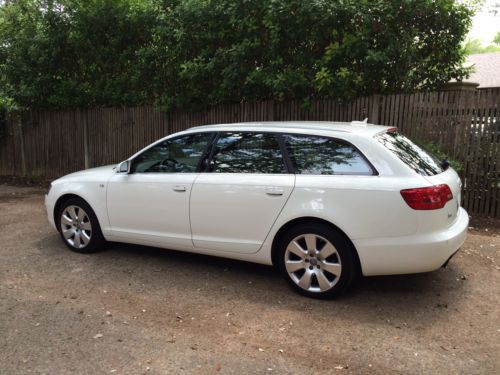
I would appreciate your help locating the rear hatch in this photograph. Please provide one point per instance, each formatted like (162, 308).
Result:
(450, 178)
(432, 170)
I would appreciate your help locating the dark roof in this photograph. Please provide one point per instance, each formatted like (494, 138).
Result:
(486, 69)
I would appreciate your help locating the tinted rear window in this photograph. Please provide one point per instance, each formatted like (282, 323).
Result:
(247, 152)
(413, 156)
(311, 154)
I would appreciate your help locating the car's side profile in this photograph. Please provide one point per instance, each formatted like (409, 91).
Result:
(323, 202)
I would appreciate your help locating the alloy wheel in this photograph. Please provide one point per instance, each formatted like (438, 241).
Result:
(313, 263)
(76, 227)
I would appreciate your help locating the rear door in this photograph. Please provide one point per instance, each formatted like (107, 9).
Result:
(235, 204)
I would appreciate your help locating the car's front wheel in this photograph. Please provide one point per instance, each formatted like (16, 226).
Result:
(317, 260)
(79, 226)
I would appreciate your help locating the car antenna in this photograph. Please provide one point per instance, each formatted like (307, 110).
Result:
(360, 123)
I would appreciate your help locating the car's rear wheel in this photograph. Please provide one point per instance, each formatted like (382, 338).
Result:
(317, 260)
(79, 227)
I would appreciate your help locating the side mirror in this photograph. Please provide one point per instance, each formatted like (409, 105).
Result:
(124, 167)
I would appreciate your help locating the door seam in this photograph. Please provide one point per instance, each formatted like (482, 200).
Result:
(279, 214)
(189, 208)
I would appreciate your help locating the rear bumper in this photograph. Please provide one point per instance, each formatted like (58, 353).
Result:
(448, 260)
(412, 254)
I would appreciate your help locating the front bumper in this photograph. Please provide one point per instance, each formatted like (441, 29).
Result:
(49, 205)
(412, 254)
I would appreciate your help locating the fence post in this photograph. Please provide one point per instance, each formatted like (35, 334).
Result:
(270, 110)
(21, 143)
(167, 121)
(84, 115)
(374, 116)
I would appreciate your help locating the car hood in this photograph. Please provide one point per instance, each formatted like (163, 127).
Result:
(99, 173)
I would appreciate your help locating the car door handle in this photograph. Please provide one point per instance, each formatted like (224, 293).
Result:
(274, 191)
(179, 188)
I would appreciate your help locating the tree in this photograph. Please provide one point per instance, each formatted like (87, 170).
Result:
(229, 50)
(474, 46)
(194, 53)
(72, 53)
(496, 39)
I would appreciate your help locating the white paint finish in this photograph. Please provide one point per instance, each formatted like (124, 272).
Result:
(447, 216)
(87, 185)
(151, 206)
(232, 216)
(49, 206)
(421, 252)
(310, 127)
(234, 212)
(362, 206)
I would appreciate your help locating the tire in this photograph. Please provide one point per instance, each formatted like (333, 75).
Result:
(79, 227)
(317, 260)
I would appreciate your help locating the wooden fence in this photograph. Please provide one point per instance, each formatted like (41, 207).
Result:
(466, 123)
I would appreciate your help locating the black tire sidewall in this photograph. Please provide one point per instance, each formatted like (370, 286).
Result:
(96, 242)
(344, 248)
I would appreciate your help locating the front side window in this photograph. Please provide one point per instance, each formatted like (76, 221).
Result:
(246, 152)
(312, 154)
(177, 155)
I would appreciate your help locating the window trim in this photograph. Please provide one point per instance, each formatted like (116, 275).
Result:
(198, 165)
(208, 153)
(346, 142)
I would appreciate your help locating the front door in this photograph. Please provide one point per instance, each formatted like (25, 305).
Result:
(151, 203)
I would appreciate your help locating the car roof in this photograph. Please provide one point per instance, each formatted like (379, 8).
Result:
(353, 127)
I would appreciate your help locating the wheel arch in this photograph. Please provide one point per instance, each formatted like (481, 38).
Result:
(309, 219)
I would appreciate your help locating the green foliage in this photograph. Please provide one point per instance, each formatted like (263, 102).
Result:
(231, 50)
(72, 53)
(435, 149)
(194, 53)
(473, 46)
(6, 106)
(496, 39)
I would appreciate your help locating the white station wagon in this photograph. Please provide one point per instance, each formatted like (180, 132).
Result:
(322, 202)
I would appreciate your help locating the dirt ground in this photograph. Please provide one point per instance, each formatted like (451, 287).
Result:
(138, 310)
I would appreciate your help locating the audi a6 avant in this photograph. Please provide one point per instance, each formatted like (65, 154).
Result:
(323, 202)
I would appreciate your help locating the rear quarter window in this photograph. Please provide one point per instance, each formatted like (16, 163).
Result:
(316, 155)
(409, 153)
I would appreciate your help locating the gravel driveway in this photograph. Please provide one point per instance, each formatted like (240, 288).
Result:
(137, 310)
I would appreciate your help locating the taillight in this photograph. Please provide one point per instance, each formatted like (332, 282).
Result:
(427, 198)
